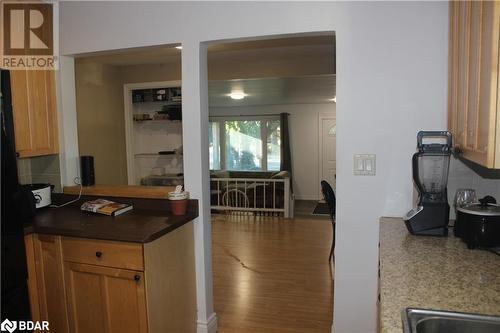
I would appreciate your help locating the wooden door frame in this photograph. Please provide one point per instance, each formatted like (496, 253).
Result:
(321, 117)
(129, 123)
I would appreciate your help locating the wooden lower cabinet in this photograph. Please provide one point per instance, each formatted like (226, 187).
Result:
(85, 285)
(105, 299)
(46, 281)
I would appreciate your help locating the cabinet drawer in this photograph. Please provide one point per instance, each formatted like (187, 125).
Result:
(103, 253)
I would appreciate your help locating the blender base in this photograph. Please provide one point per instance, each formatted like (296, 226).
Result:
(432, 220)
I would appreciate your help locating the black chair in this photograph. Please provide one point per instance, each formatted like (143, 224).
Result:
(330, 200)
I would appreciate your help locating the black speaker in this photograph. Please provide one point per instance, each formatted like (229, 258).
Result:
(87, 170)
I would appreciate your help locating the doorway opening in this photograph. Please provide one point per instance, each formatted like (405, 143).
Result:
(269, 102)
(129, 115)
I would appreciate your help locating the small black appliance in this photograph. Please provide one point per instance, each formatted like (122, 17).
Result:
(87, 170)
(478, 224)
(430, 174)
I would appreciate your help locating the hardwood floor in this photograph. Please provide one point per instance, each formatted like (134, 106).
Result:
(272, 275)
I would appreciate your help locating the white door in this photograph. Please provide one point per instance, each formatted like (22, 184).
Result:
(327, 150)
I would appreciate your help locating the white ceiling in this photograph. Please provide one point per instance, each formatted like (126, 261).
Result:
(305, 41)
(169, 53)
(136, 56)
(296, 70)
(271, 91)
(311, 56)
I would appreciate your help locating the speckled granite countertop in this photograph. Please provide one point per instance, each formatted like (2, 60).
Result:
(433, 273)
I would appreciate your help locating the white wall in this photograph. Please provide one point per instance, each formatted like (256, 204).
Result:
(101, 124)
(391, 79)
(69, 156)
(303, 128)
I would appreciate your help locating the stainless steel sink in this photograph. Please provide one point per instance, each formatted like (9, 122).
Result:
(432, 321)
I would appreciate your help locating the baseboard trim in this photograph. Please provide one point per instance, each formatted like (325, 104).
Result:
(210, 326)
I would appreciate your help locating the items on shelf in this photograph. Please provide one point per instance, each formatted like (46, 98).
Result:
(157, 114)
(170, 114)
(173, 111)
(170, 94)
(142, 117)
(177, 151)
(160, 95)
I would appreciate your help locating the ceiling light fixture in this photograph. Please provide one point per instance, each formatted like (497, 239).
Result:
(179, 47)
(237, 95)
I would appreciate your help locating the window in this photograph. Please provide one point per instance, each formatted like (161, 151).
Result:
(244, 143)
(214, 146)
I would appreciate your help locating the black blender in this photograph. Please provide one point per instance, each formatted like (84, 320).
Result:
(430, 174)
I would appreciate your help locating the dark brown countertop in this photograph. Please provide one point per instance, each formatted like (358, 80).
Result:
(149, 220)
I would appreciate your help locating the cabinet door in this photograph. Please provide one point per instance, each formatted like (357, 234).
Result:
(474, 74)
(35, 112)
(104, 299)
(21, 112)
(29, 244)
(487, 137)
(458, 62)
(50, 282)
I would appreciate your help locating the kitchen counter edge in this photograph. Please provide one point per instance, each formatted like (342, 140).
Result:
(149, 220)
(437, 273)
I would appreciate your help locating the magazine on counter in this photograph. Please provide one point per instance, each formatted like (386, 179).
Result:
(106, 207)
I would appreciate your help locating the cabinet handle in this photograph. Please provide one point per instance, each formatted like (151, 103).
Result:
(17, 154)
(137, 277)
(98, 254)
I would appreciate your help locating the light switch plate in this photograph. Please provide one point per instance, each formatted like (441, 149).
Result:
(364, 164)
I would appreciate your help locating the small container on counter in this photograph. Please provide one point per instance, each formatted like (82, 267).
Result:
(178, 201)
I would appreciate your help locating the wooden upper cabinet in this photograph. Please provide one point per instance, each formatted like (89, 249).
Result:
(473, 104)
(35, 112)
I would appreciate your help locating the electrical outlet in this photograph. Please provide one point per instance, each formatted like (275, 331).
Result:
(364, 164)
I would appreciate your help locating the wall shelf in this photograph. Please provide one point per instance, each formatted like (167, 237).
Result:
(153, 113)
(155, 121)
(155, 155)
(167, 94)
